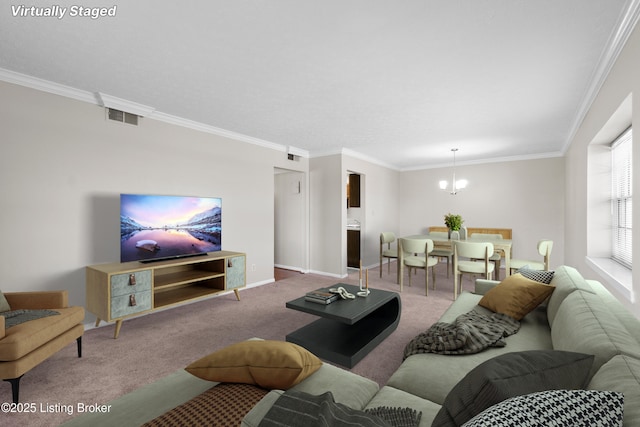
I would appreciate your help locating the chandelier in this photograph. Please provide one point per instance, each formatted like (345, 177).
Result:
(455, 185)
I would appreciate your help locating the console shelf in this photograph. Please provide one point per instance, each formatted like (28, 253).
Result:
(120, 290)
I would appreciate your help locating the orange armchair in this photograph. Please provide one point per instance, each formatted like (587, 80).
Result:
(26, 345)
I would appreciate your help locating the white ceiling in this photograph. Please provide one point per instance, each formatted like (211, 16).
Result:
(396, 82)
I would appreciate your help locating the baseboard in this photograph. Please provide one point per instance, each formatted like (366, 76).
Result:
(288, 267)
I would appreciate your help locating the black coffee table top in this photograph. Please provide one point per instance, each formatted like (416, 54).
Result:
(348, 311)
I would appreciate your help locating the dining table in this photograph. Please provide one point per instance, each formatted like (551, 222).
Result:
(443, 242)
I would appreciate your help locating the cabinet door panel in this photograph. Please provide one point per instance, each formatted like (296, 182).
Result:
(121, 305)
(121, 283)
(235, 272)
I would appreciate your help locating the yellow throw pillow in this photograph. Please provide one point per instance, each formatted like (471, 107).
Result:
(268, 364)
(516, 296)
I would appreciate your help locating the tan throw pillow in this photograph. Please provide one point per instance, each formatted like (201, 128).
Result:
(268, 364)
(516, 296)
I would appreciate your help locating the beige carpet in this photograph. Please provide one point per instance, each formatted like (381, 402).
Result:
(153, 346)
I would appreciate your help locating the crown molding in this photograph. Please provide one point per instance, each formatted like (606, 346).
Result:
(352, 153)
(191, 124)
(109, 101)
(608, 58)
(47, 86)
(537, 156)
(104, 100)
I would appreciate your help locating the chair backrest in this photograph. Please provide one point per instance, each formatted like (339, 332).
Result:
(416, 246)
(387, 237)
(463, 233)
(439, 234)
(544, 247)
(476, 250)
(485, 236)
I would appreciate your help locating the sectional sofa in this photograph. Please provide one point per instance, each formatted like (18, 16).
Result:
(580, 318)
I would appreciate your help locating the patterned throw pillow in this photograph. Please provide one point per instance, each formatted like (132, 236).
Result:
(541, 276)
(576, 408)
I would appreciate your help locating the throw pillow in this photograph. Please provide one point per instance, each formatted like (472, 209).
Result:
(268, 364)
(541, 276)
(516, 296)
(576, 408)
(509, 375)
(4, 304)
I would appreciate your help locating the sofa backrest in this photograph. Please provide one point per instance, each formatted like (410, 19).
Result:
(584, 324)
(566, 280)
(628, 320)
(621, 374)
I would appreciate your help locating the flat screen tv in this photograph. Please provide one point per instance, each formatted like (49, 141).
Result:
(154, 227)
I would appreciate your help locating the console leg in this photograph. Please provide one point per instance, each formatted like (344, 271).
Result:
(237, 294)
(118, 326)
(15, 387)
(97, 322)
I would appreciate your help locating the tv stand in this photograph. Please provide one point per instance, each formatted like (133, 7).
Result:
(120, 290)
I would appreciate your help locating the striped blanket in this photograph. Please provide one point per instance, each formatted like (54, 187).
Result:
(16, 317)
(295, 408)
(470, 333)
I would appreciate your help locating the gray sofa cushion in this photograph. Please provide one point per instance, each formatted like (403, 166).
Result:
(621, 374)
(583, 324)
(431, 376)
(509, 375)
(347, 388)
(566, 280)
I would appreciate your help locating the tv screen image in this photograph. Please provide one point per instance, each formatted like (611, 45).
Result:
(155, 227)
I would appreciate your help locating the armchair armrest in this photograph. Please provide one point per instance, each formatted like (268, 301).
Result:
(1, 327)
(37, 300)
(483, 285)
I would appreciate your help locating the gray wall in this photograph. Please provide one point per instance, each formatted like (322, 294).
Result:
(63, 167)
(622, 81)
(526, 196)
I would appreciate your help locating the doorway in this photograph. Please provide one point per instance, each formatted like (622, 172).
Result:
(290, 220)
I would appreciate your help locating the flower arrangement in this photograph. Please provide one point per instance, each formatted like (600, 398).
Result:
(453, 222)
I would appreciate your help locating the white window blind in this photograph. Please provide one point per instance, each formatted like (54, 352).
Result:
(621, 198)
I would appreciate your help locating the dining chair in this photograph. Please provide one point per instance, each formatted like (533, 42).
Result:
(387, 238)
(497, 255)
(470, 251)
(442, 252)
(415, 253)
(544, 249)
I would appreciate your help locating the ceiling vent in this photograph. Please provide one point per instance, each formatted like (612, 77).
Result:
(123, 111)
(122, 116)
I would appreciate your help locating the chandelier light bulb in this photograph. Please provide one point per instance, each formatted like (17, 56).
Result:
(456, 185)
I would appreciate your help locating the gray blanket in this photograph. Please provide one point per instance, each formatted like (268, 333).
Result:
(16, 317)
(294, 408)
(470, 333)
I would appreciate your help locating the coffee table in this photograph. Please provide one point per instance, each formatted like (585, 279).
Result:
(347, 329)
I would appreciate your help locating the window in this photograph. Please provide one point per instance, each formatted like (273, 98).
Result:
(621, 198)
